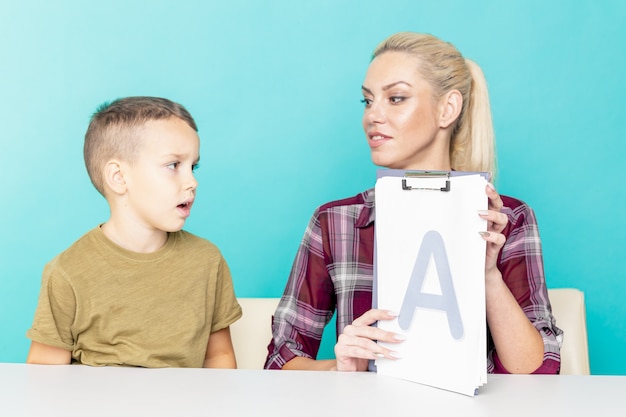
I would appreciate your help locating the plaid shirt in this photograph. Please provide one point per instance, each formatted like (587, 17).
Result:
(333, 270)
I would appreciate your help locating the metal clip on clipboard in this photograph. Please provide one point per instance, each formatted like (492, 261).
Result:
(426, 174)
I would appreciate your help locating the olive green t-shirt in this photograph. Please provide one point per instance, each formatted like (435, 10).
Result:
(111, 306)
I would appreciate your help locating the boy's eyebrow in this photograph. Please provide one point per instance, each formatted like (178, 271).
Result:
(386, 87)
(179, 156)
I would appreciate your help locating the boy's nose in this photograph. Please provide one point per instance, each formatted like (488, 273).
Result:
(192, 183)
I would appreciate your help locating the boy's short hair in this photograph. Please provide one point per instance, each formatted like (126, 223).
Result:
(113, 131)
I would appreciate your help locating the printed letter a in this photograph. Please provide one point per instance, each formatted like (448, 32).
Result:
(432, 244)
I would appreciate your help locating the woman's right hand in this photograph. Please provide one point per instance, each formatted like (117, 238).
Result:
(357, 344)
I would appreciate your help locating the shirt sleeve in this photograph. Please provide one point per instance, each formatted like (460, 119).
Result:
(521, 265)
(56, 310)
(226, 309)
(307, 304)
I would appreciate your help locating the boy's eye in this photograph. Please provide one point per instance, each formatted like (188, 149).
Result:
(366, 101)
(194, 167)
(173, 165)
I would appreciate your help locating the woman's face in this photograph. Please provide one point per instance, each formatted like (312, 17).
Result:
(402, 118)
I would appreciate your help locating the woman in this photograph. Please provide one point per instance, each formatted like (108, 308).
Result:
(426, 108)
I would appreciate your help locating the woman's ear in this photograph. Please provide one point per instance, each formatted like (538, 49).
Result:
(450, 108)
(114, 177)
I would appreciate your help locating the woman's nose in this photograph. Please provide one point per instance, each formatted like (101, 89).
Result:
(374, 113)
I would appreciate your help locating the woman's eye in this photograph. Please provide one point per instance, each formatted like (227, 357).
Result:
(396, 99)
(366, 101)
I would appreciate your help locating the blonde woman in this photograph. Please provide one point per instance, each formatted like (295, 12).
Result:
(426, 108)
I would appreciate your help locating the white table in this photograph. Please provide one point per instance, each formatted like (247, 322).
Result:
(71, 390)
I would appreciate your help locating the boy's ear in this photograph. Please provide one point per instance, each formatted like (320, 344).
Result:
(114, 177)
(450, 108)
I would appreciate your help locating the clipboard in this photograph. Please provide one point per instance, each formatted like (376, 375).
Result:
(429, 267)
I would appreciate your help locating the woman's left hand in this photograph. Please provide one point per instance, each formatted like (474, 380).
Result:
(496, 222)
(518, 343)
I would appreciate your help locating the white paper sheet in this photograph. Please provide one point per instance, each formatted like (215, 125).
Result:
(430, 268)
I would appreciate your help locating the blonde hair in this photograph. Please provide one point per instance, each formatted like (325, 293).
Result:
(472, 144)
(113, 131)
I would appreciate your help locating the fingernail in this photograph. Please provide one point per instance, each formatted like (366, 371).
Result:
(484, 234)
(399, 336)
(490, 185)
(483, 212)
(392, 313)
(379, 355)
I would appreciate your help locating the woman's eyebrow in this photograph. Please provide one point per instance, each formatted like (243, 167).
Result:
(386, 87)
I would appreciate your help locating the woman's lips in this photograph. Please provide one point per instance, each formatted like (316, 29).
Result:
(378, 139)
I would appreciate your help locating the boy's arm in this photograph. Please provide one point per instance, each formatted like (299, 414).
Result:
(220, 352)
(48, 355)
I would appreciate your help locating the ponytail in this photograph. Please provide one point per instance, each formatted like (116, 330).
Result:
(472, 146)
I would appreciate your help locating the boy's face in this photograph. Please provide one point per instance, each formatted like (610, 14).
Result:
(161, 186)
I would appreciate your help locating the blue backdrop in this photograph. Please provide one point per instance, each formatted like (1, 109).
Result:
(275, 89)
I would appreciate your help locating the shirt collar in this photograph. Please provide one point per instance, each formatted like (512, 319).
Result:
(368, 213)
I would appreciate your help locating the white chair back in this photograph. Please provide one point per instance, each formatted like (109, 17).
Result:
(568, 308)
(253, 331)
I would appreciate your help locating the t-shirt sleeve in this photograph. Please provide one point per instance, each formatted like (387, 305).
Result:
(226, 308)
(56, 310)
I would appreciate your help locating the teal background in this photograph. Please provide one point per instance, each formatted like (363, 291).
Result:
(275, 87)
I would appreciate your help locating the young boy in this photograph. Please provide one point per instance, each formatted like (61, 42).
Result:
(138, 290)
